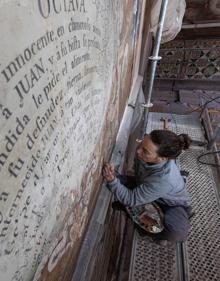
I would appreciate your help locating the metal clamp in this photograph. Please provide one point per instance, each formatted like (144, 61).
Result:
(147, 105)
(155, 58)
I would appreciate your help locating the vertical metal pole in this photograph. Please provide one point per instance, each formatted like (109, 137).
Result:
(154, 59)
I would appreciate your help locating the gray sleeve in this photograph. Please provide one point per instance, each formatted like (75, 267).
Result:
(142, 194)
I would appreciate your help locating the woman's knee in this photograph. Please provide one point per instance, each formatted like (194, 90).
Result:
(176, 224)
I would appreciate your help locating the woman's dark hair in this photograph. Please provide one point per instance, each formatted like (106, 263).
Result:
(170, 145)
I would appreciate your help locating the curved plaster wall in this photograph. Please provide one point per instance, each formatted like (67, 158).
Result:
(65, 74)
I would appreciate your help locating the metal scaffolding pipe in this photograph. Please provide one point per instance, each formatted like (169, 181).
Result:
(154, 59)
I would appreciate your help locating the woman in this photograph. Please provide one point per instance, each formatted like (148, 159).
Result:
(157, 179)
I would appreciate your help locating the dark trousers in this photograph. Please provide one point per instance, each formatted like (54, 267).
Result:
(176, 218)
(176, 223)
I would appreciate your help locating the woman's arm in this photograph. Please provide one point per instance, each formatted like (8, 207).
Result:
(142, 194)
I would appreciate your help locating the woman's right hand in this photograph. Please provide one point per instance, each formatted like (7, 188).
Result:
(108, 172)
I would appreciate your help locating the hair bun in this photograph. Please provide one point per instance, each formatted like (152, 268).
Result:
(185, 141)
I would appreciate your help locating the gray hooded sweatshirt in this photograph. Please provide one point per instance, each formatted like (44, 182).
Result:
(162, 183)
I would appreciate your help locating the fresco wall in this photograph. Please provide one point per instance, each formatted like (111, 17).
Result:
(65, 76)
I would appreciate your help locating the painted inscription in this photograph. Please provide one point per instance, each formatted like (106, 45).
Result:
(65, 70)
(57, 59)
